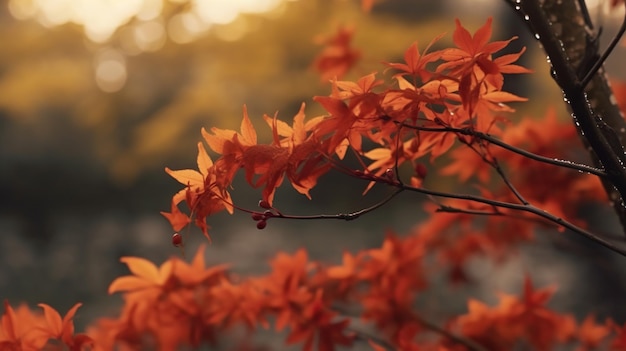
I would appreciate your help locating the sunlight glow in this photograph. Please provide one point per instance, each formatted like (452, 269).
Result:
(102, 18)
(138, 26)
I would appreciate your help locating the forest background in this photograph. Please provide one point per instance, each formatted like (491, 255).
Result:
(89, 117)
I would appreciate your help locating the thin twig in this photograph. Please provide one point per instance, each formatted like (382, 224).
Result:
(585, 12)
(493, 162)
(470, 344)
(345, 216)
(508, 183)
(596, 66)
(452, 209)
(524, 208)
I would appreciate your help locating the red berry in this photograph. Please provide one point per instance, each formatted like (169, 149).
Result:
(177, 239)
(261, 224)
(264, 204)
(257, 216)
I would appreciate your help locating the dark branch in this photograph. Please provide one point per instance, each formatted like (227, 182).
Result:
(565, 52)
(522, 152)
(616, 39)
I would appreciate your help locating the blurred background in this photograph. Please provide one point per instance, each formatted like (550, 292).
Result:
(98, 96)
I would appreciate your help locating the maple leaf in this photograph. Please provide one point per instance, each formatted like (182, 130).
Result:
(466, 163)
(391, 157)
(203, 193)
(394, 275)
(166, 293)
(231, 145)
(337, 56)
(195, 272)
(302, 166)
(317, 321)
(63, 329)
(238, 303)
(227, 142)
(177, 219)
(591, 334)
(345, 271)
(147, 279)
(415, 63)
(286, 287)
(515, 319)
(340, 126)
(472, 50)
(363, 101)
(16, 330)
(472, 63)
(293, 152)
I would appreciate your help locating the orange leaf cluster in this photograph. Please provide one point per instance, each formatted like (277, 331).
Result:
(181, 305)
(455, 88)
(24, 330)
(517, 318)
(438, 102)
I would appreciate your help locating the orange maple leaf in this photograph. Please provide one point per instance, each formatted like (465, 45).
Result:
(317, 320)
(203, 193)
(63, 329)
(337, 57)
(238, 303)
(301, 161)
(16, 330)
(515, 319)
(472, 63)
(147, 279)
(154, 293)
(195, 272)
(591, 334)
(415, 63)
(472, 50)
(339, 126)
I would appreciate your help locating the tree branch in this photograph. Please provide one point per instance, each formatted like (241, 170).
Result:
(523, 208)
(560, 27)
(522, 152)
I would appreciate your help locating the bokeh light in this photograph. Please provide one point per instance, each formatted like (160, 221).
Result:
(110, 70)
(138, 26)
(101, 18)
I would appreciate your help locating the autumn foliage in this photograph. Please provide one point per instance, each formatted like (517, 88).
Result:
(436, 106)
